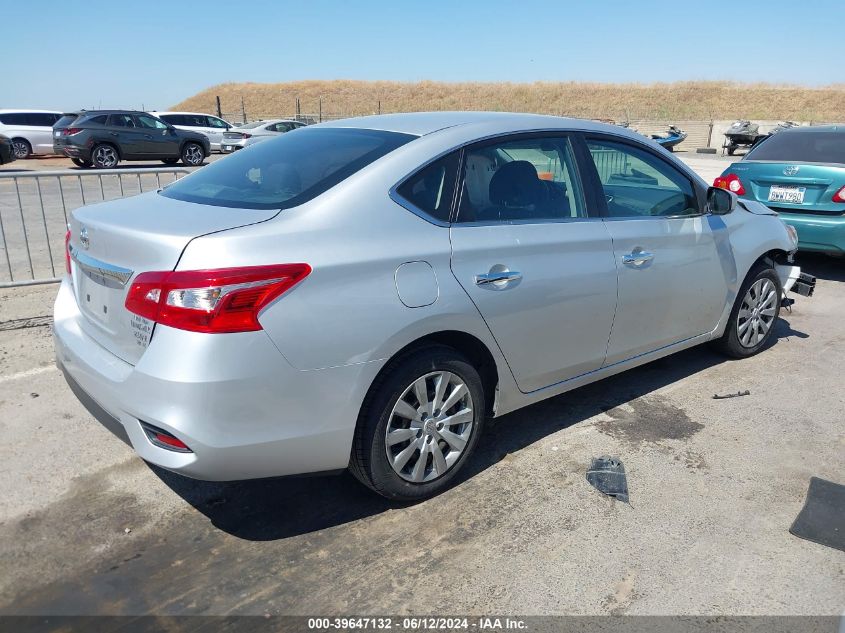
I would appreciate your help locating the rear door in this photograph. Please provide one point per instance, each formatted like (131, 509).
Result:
(535, 260)
(671, 281)
(123, 130)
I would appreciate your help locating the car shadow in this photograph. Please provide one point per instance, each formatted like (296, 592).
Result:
(822, 266)
(270, 509)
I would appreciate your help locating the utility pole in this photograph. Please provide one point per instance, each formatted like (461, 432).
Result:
(219, 111)
(243, 109)
(321, 109)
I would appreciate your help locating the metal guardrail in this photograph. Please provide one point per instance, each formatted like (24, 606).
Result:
(34, 214)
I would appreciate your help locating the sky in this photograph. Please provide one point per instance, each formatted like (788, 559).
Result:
(153, 54)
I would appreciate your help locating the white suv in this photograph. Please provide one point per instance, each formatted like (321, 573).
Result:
(212, 126)
(31, 131)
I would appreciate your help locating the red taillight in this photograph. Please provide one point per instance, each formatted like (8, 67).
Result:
(839, 196)
(246, 135)
(731, 182)
(67, 251)
(212, 301)
(70, 131)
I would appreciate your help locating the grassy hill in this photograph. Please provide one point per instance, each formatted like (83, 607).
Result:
(693, 100)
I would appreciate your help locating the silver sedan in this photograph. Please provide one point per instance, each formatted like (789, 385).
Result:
(255, 132)
(367, 293)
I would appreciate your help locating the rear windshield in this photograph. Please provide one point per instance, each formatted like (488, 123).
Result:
(66, 120)
(285, 171)
(249, 126)
(801, 147)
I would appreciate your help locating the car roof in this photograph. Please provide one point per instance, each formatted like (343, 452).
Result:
(25, 110)
(814, 128)
(269, 122)
(422, 123)
(83, 112)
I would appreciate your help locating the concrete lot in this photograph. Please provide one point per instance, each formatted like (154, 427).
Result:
(88, 528)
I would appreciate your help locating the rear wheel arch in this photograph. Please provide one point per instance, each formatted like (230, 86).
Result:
(475, 351)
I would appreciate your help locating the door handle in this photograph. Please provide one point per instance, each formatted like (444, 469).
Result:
(113, 134)
(502, 278)
(148, 136)
(637, 258)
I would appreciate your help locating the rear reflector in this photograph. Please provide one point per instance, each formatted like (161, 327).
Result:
(163, 439)
(212, 301)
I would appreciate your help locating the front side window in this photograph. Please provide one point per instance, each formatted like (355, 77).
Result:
(150, 122)
(287, 170)
(531, 179)
(638, 183)
(213, 121)
(432, 188)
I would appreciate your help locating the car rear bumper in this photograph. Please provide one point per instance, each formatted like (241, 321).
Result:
(241, 408)
(72, 151)
(819, 233)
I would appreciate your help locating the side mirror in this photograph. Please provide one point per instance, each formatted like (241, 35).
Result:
(720, 201)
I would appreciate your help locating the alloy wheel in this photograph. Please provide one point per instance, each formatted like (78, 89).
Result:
(757, 312)
(429, 427)
(20, 148)
(105, 156)
(193, 154)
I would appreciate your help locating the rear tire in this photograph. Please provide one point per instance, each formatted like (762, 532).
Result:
(192, 154)
(81, 162)
(105, 156)
(430, 440)
(21, 148)
(754, 315)
(169, 161)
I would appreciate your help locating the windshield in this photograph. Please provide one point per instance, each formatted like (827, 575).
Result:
(801, 146)
(286, 171)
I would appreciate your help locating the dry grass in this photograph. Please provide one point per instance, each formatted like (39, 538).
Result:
(692, 100)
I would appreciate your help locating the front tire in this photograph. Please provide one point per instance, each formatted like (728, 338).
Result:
(753, 317)
(192, 155)
(419, 424)
(21, 148)
(104, 156)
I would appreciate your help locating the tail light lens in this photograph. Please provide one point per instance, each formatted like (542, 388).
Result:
(212, 301)
(70, 131)
(246, 135)
(67, 252)
(839, 196)
(731, 182)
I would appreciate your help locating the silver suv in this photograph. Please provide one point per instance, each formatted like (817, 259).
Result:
(31, 131)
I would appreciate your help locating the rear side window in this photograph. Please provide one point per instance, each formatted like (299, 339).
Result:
(100, 119)
(173, 119)
(121, 120)
(801, 146)
(286, 171)
(638, 183)
(432, 188)
(194, 120)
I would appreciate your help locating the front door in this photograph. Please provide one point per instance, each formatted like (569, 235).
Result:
(672, 285)
(159, 139)
(538, 267)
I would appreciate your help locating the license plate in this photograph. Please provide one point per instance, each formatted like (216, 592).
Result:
(795, 195)
(57, 134)
(227, 148)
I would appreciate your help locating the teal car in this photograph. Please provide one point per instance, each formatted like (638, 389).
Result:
(800, 173)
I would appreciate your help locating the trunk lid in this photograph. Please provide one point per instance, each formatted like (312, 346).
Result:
(113, 241)
(792, 187)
